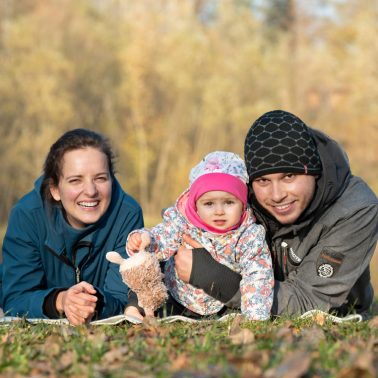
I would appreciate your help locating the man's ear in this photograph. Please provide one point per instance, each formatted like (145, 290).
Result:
(54, 191)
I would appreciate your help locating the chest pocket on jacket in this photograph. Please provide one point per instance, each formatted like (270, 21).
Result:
(328, 263)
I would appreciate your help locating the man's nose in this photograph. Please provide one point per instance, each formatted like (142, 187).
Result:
(278, 192)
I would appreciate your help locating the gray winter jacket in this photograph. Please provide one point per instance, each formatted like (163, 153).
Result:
(321, 261)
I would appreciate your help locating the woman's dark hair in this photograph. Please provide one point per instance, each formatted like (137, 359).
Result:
(69, 141)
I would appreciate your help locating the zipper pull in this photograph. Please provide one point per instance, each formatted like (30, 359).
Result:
(77, 275)
(284, 246)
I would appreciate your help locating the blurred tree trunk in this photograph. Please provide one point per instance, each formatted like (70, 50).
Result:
(292, 30)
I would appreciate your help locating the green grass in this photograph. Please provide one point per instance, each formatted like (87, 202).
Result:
(213, 349)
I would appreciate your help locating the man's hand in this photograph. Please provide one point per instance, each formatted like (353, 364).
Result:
(78, 303)
(184, 258)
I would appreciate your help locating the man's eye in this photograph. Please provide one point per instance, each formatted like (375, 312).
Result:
(261, 181)
(290, 176)
(74, 181)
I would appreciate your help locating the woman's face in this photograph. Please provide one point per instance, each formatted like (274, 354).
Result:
(85, 186)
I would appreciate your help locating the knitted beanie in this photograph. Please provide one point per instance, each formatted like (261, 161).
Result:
(219, 170)
(279, 142)
(220, 162)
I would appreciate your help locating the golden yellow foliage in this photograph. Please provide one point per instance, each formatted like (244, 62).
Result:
(169, 81)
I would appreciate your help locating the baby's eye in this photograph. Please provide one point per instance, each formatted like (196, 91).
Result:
(208, 203)
(230, 202)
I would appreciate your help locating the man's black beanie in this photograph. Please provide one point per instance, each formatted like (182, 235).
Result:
(279, 142)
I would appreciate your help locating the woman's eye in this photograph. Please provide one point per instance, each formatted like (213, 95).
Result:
(101, 179)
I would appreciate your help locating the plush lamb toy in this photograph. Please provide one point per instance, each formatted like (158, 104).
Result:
(141, 273)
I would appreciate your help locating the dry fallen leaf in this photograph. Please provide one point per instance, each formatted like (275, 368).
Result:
(249, 362)
(41, 368)
(373, 323)
(240, 335)
(115, 354)
(319, 318)
(285, 334)
(234, 327)
(361, 367)
(97, 338)
(66, 360)
(52, 346)
(180, 362)
(312, 336)
(294, 365)
(243, 336)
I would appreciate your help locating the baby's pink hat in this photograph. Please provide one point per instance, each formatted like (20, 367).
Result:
(219, 170)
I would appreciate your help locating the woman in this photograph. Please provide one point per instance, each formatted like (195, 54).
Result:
(58, 234)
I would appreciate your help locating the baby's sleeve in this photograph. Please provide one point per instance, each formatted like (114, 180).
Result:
(166, 237)
(257, 282)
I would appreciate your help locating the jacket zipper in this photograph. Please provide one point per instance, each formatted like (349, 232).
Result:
(284, 246)
(71, 263)
(77, 268)
(277, 263)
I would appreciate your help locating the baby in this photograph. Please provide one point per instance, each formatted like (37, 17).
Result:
(214, 212)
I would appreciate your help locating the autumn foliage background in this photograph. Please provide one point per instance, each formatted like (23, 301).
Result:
(171, 80)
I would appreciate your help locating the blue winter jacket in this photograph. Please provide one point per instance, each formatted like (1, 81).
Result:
(42, 252)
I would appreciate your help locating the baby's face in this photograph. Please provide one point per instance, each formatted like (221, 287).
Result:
(219, 209)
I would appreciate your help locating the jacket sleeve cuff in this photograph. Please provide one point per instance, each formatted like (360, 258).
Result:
(99, 304)
(214, 278)
(49, 304)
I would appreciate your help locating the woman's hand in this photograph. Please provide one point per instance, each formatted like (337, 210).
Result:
(78, 303)
(184, 258)
(138, 241)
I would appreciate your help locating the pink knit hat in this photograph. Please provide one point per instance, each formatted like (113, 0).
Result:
(219, 170)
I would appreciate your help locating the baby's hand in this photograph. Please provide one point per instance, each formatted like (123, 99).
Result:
(138, 241)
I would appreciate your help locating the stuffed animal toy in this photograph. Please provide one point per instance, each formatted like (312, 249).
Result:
(141, 273)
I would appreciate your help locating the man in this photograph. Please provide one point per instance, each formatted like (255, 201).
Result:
(321, 222)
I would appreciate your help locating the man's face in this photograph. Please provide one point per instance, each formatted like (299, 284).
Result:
(284, 195)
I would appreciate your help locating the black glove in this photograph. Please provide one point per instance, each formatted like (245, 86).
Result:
(215, 279)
